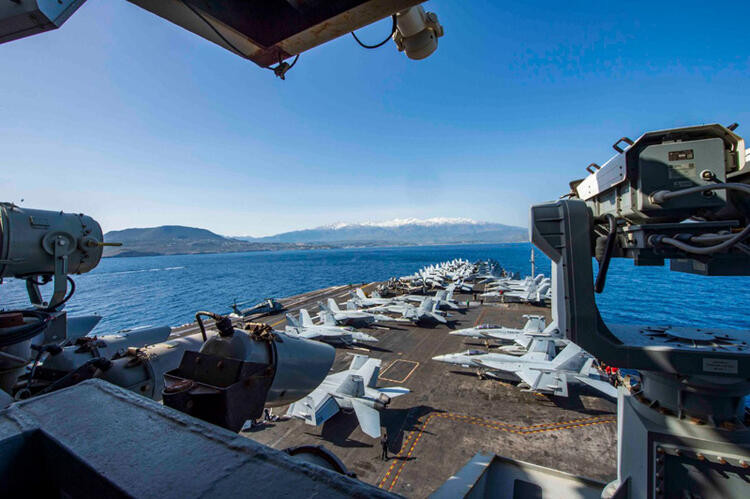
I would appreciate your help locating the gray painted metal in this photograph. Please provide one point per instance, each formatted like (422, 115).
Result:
(488, 475)
(95, 439)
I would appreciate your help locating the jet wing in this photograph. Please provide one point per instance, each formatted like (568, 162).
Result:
(506, 334)
(369, 418)
(545, 381)
(500, 361)
(597, 384)
(530, 376)
(315, 409)
(394, 391)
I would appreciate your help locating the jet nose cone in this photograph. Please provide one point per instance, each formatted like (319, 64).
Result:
(365, 337)
(442, 358)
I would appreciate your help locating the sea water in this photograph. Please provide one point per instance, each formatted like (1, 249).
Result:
(168, 290)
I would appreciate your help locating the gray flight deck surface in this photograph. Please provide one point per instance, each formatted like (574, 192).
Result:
(450, 414)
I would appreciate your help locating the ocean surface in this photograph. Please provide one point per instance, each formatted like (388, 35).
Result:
(168, 290)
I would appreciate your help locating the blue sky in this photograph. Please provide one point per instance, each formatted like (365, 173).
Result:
(137, 122)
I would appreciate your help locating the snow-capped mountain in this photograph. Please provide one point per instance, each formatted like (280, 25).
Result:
(400, 222)
(405, 231)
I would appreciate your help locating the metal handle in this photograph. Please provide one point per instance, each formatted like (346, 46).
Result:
(592, 168)
(617, 147)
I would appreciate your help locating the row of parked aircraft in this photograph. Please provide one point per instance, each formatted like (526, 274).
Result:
(536, 355)
(529, 290)
(355, 389)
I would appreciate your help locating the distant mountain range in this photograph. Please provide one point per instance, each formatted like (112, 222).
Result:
(177, 239)
(404, 231)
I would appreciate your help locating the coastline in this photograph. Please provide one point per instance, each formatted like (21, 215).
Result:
(309, 247)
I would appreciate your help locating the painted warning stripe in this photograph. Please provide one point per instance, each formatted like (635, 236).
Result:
(403, 456)
(416, 365)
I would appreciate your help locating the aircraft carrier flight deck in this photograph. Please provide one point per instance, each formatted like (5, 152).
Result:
(450, 414)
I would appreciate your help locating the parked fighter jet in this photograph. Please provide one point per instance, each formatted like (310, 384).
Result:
(335, 335)
(536, 294)
(332, 315)
(351, 389)
(537, 370)
(443, 299)
(360, 299)
(534, 324)
(426, 315)
(266, 307)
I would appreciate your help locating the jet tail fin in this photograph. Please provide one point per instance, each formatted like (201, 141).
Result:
(426, 305)
(542, 350)
(534, 324)
(360, 293)
(333, 305)
(305, 318)
(291, 320)
(568, 357)
(327, 318)
(449, 292)
(367, 368)
(368, 417)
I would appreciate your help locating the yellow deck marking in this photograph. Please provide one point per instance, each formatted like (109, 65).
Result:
(416, 365)
(487, 423)
(278, 322)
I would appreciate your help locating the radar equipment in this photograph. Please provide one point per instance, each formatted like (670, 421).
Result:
(681, 195)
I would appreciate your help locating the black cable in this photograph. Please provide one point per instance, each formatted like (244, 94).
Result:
(234, 48)
(293, 62)
(393, 30)
(213, 28)
(660, 197)
(657, 239)
(27, 331)
(67, 297)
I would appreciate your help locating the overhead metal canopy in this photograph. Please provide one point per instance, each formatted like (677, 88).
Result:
(269, 31)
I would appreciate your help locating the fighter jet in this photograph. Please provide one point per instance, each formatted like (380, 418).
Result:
(443, 299)
(351, 389)
(539, 370)
(360, 299)
(332, 315)
(266, 307)
(426, 315)
(335, 335)
(536, 294)
(534, 324)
